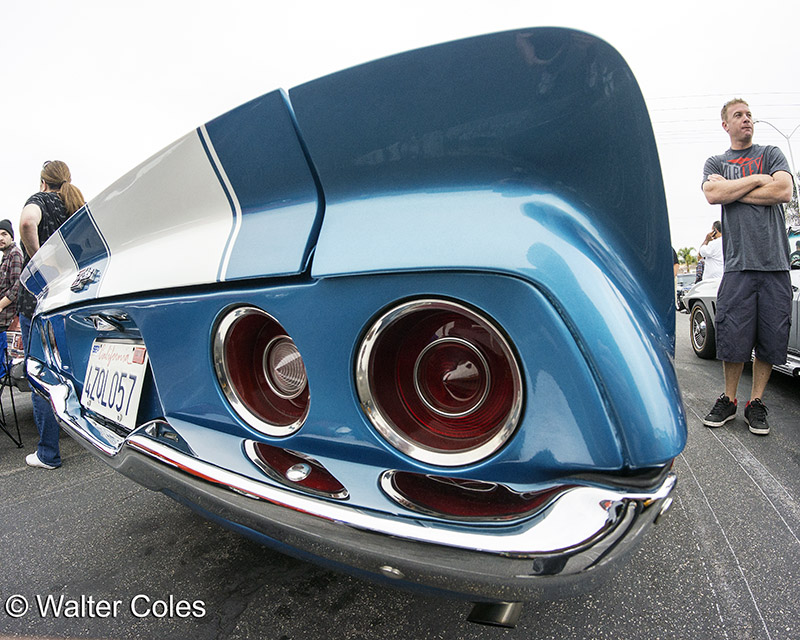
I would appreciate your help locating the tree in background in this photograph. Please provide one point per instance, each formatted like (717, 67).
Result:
(791, 209)
(687, 256)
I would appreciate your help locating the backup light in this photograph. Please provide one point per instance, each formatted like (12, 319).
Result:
(261, 371)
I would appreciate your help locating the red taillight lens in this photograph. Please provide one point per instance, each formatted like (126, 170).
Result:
(439, 382)
(261, 371)
(295, 470)
(461, 499)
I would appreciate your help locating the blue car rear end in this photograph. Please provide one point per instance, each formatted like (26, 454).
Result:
(413, 320)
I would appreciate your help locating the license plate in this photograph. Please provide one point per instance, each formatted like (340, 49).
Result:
(114, 381)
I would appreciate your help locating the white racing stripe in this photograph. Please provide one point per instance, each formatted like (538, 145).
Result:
(175, 206)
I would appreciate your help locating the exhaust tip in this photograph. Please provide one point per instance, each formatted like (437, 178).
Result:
(496, 614)
(663, 510)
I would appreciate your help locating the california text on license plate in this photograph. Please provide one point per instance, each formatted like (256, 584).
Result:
(114, 380)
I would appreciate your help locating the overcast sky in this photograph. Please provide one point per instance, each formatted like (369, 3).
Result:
(103, 84)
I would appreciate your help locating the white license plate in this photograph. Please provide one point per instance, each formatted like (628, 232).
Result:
(114, 381)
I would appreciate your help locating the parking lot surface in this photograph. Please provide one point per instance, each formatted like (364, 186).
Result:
(87, 553)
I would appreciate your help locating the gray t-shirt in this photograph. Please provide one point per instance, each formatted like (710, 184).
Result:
(753, 236)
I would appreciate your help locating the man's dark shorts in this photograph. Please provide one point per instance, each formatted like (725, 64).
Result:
(754, 310)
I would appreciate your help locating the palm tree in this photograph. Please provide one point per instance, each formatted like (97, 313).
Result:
(685, 256)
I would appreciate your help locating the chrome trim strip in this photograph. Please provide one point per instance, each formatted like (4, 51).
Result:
(385, 426)
(792, 365)
(54, 353)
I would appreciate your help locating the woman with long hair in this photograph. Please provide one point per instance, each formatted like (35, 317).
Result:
(43, 214)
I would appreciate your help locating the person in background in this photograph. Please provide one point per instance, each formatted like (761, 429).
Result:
(698, 270)
(795, 255)
(42, 215)
(711, 251)
(10, 268)
(751, 182)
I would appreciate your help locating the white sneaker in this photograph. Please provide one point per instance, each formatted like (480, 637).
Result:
(32, 460)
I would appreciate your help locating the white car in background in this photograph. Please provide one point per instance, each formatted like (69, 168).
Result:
(701, 301)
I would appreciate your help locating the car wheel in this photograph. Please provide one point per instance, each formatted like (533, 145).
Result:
(702, 333)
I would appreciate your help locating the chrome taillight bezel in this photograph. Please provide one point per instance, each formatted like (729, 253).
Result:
(387, 426)
(234, 395)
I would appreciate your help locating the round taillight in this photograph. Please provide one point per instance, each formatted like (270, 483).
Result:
(439, 382)
(261, 371)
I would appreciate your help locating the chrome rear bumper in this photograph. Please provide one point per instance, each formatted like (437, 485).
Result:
(792, 366)
(565, 549)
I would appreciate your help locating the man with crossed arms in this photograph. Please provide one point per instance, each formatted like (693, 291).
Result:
(751, 182)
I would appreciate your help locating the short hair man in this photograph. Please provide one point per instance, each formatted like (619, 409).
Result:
(751, 182)
(711, 251)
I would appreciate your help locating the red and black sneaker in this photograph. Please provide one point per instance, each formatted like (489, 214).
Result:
(723, 411)
(755, 415)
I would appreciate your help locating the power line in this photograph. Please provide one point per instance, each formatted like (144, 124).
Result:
(695, 108)
(718, 95)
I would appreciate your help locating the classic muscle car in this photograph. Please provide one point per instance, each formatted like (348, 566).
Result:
(413, 320)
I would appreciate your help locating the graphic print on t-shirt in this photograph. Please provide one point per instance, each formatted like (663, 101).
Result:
(741, 167)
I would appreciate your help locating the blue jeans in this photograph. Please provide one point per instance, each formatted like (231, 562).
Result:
(46, 423)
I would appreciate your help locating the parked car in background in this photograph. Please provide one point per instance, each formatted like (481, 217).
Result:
(701, 303)
(684, 282)
(394, 321)
(701, 300)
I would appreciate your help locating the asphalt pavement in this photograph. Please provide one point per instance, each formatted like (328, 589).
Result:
(86, 553)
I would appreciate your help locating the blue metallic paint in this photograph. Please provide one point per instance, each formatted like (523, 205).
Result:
(263, 159)
(510, 115)
(409, 185)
